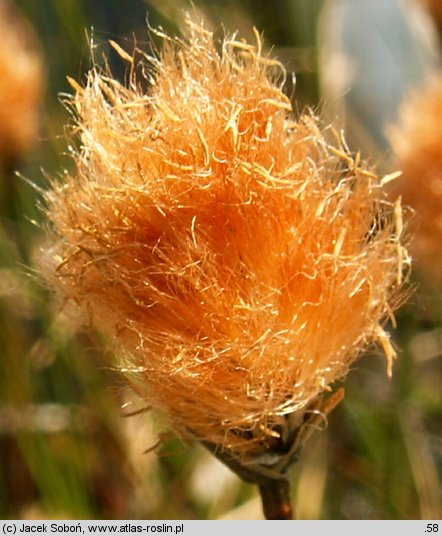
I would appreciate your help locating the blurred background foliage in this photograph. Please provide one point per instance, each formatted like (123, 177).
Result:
(66, 448)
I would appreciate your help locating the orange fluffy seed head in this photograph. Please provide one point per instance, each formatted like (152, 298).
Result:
(435, 8)
(21, 83)
(240, 262)
(417, 141)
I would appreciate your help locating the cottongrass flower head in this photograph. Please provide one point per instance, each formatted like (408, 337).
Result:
(239, 261)
(417, 142)
(21, 84)
(435, 9)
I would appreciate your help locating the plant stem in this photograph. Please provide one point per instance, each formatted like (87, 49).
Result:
(276, 501)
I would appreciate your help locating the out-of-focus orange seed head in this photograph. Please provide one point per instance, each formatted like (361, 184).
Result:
(21, 84)
(240, 262)
(417, 141)
(435, 9)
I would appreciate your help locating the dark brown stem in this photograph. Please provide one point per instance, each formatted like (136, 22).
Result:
(268, 466)
(276, 501)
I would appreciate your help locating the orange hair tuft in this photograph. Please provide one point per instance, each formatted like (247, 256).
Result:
(239, 260)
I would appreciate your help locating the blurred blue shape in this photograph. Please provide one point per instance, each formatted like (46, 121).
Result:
(373, 53)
